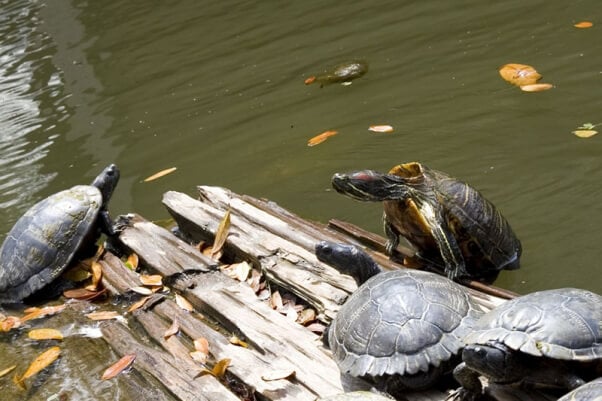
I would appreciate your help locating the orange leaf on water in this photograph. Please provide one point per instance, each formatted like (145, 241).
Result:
(536, 87)
(6, 371)
(45, 334)
(381, 128)
(585, 133)
(310, 80)
(118, 367)
(160, 174)
(519, 74)
(321, 137)
(9, 323)
(103, 315)
(43, 360)
(583, 24)
(43, 312)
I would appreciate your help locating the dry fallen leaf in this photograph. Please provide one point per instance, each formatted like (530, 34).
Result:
(278, 374)
(43, 312)
(160, 174)
(172, 330)
(132, 261)
(151, 280)
(237, 341)
(6, 371)
(199, 357)
(103, 315)
(381, 128)
(141, 290)
(9, 323)
(118, 367)
(239, 271)
(519, 74)
(83, 294)
(536, 87)
(585, 133)
(220, 367)
(45, 334)
(43, 360)
(183, 303)
(276, 300)
(96, 276)
(321, 137)
(220, 235)
(201, 352)
(583, 24)
(138, 304)
(306, 316)
(316, 327)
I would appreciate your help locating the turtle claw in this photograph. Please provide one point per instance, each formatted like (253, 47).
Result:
(122, 222)
(461, 394)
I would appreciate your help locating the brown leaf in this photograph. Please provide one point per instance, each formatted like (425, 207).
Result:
(83, 294)
(199, 357)
(583, 24)
(77, 274)
(160, 174)
(321, 137)
(151, 280)
(96, 276)
(43, 312)
(6, 371)
(172, 330)
(278, 374)
(43, 360)
(316, 327)
(220, 235)
(306, 316)
(202, 345)
(519, 74)
(183, 303)
(138, 304)
(237, 341)
(45, 334)
(219, 370)
(103, 315)
(118, 367)
(536, 87)
(381, 128)
(585, 133)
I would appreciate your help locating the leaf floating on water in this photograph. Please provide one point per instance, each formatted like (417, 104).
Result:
(9, 323)
(536, 87)
(381, 128)
(118, 367)
(151, 280)
(43, 312)
(583, 24)
(519, 74)
(310, 80)
(278, 374)
(45, 334)
(103, 315)
(43, 360)
(585, 133)
(220, 235)
(6, 371)
(183, 303)
(237, 341)
(138, 304)
(321, 137)
(172, 330)
(160, 174)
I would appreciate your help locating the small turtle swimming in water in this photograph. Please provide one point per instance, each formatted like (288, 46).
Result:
(341, 74)
(48, 236)
(449, 223)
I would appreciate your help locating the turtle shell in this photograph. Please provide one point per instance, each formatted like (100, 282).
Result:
(484, 237)
(401, 322)
(44, 240)
(356, 396)
(559, 324)
(591, 391)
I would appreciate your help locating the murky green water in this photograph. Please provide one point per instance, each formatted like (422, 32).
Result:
(216, 90)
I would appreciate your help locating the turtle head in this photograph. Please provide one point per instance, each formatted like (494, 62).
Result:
(494, 361)
(369, 185)
(348, 259)
(106, 181)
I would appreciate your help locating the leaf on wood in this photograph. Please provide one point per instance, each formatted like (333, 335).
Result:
(202, 345)
(220, 235)
(199, 357)
(219, 370)
(519, 74)
(160, 174)
(151, 280)
(43, 360)
(138, 304)
(141, 290)
(276, 300)
(583, 24)
(96, 276)
(43, 312)
(132, 261)
(45, 334)
(103, 315)
(118, 367)
(321, 137)
(239, 271)
(316, 327)
(306, 316)
(254, 280)
(9, 323)
(289, 311)
(536, 87)
(183, 303)
(83, 294)
(172, 330)
(585, 133)
(237, 341)
(278, 374)
(381, 128)
(6, 371)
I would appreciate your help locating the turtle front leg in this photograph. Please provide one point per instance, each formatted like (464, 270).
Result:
(455, 268)
(471, 388)
(392, 237)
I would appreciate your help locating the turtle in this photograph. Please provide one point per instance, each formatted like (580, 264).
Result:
(47, 237)
(591, 391)
(449, 223)
(357, 396)
(400, 329)
(343, 73)
(550, 337)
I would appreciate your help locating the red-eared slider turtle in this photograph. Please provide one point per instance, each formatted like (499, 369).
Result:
(357, 396)
(591, 391)
(45, 239)
(551, 337)
(401, 329)
(449, 223)
(342, 73)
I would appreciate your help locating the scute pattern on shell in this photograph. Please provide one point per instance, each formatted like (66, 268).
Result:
(43, 241)
(560, 324)
(401, 322)
(591, 391)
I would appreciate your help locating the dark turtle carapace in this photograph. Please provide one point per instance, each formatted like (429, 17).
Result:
(343, 74)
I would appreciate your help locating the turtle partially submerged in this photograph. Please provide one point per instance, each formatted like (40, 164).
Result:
(591, 391)
(47, 237)
(401, 329)
(343, 73)
(449, 223)
(551, 337)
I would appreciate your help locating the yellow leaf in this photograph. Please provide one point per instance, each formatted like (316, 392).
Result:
(183, 303)
(381, 128)
(132, 261)
(103, 315)
(118, 367)
(172, 330)
(585, 133)
(96, 276)
(237, 341)
(219, 370)
(583, 24)
(160, 174)
(151, 280)
(519, 74)
(6, 371)
(321, 137)
(221, 234)
(536, 87)
(45, 334)
(139, 304)
(41, 362)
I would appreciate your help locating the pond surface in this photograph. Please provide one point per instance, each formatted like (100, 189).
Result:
(217, 91)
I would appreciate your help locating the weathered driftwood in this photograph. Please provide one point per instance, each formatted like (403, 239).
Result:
(281, 245)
